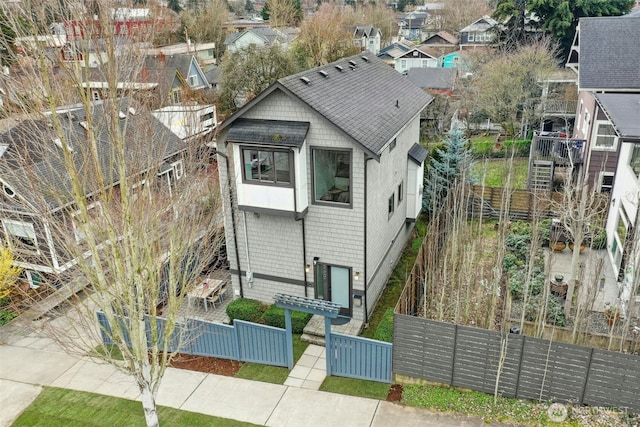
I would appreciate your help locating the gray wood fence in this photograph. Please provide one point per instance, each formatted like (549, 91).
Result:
(533, 368)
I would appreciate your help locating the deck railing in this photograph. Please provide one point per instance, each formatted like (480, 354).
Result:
(560, 150)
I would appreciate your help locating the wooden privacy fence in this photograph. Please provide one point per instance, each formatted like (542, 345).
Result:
(357, 357)
(244, 341)
(532, 368)
(523, 204)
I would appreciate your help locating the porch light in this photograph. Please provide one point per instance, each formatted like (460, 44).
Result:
(307, 268)
(356, 275)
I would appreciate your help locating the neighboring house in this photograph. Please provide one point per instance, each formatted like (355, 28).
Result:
(258, 37)
(415, 58)
(477, 34)
(622, 111)
(204, 52)
(366, 37)
(325, 174)
(179, 77)
(395, 50)
(558, 102)
(188, 121)
(31, 152)
(601, 68)
(437, 81)
(411, 25)
(442, 43)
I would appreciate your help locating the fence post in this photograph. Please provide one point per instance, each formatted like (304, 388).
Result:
(453, 358)
(524, 337)
(236, 342)
(327, 343)
(288, 337)
(586, 379)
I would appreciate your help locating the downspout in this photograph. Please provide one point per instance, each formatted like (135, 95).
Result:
(233, 221)
(304, 239)
(365, 276)
(246, 248)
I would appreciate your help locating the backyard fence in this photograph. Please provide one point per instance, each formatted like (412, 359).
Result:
(525, 367)
(244, 341)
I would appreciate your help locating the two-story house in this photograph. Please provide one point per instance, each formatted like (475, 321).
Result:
(478, 33)
(323, 175)
(258, 37)
(367, 37)
(37, 211)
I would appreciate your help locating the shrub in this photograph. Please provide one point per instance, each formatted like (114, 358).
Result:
(385, 327)
(6, 316)
(246, 309)
(510, 262)
(544, 230)
(555, 311)
(274, 316)
(599, 239)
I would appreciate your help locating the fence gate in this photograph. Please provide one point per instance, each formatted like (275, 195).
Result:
(361, 358)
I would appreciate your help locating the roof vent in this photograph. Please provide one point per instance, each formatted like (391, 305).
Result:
(339, 68)
(365, 59)
(305, 80)
(121, 115)
(323, 73)
(58, 143)
(352, 63)
(132, 111)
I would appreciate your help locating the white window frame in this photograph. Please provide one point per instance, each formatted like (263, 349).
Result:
(585, 122)
(192, 80)
(30, 274)
(596, 134)
(471, 36)
(636, 171)
(77, 232)
(30, 234)
(602, 186)
(178, 168)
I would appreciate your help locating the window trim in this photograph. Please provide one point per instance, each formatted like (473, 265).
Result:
(393, 144)
(596, 134)
(391, 205)
(30, 276)
(348, 205)
(400, 192)
(602, 186)
(635, 170)
(10, 237)
(471, 36)
(274, 183)
(74, 214)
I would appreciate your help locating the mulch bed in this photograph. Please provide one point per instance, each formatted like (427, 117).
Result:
(209, 365)
(395, 393)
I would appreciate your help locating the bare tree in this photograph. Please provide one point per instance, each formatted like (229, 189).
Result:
(323, 38)
(86, 177)
(457, 14)
(206, 24)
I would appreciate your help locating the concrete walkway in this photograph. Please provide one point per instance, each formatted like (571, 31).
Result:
(28, 364)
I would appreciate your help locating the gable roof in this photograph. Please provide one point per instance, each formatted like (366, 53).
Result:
(433, 78)
(396, 49)
(267, 34)
(481, 24)
(609, 53)
(623, 109)
(361, 95)
(441, 38)
(418, 153)
(417, 52)
(33, 155)
(365, 31)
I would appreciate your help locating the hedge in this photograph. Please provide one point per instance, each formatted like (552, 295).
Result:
(257, 312)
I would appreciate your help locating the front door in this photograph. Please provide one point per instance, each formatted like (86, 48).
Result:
(333, 283)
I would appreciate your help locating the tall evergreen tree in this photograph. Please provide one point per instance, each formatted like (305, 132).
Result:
(446, 165)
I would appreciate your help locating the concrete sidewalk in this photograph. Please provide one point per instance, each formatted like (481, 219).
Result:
(24, 370)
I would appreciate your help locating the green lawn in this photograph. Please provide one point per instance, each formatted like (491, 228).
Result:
(59, 407)
(272, 374)
(355, 387)
(494, 172)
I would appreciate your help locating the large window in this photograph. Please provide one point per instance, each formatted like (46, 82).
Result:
(332, 176)
(605, 136)
(635, 159)
(267, 166)
(21, 236)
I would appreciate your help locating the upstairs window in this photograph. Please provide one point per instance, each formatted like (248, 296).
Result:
(635, 159)
(605, 136)
(332, 181)
(21, 236)
(391, 206)
(267, 166)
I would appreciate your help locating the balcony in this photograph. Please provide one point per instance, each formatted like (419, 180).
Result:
(562, 151)
(557, 108)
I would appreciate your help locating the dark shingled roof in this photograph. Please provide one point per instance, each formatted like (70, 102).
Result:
(369, 101)
(624, 111)
(433, 78)
(273, 132)
(609, 53)
(417, 153)
(34, 157)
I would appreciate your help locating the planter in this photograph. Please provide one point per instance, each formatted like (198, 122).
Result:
(571, 246)
(559, 246)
